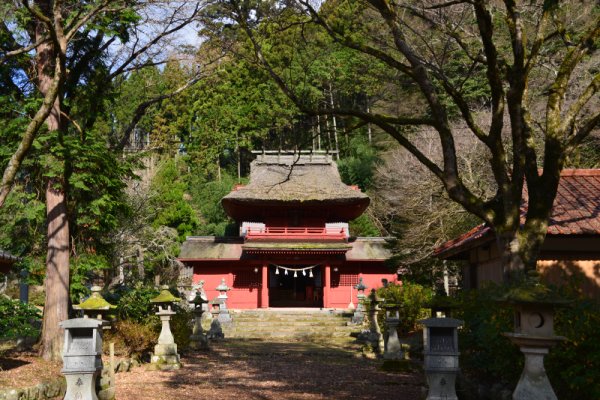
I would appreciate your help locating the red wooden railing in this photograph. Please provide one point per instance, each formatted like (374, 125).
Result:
(296, 233)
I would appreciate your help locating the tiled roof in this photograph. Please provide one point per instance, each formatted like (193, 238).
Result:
(576, 211)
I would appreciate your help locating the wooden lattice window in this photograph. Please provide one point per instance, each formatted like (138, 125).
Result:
(246, 279)
(348, 279)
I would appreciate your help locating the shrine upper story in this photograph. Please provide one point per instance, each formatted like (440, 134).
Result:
(294, 203)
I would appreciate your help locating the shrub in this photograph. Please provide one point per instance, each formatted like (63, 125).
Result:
(181, 326)
(412, 298)
(133, 304)
(18, 319)
(574, 365)
(133, 338)
(487, 357)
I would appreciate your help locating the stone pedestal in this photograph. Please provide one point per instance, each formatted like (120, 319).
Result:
(216, 331)
(165, 355)
(82, 357)
(440, 344)
(534, 378)
(375, 336)
(393, 348)
(359, 313)
(534, 383)
(534, 307)
(198, 339)
(224, 317)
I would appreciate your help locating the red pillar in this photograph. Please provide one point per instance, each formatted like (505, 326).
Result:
(264, 293)
(326, 285)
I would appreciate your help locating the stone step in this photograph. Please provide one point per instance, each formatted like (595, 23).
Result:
(296, 324)
(285, 335)
(289, 330)
(290, 323)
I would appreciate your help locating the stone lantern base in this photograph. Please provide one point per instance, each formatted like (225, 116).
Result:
(199, 342)
(165, 357)
(441, 385)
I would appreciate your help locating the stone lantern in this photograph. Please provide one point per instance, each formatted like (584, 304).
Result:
(96, 306)
(198, 339)
(375, 336)
(534, 308)
(82, 357)
(165, 355)
(223, 316)
(440, 349)
(393, 348)
(359, 312)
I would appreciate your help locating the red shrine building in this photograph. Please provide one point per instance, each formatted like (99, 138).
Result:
(294, 247)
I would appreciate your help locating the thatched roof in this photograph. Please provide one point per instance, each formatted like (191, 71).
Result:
(294, 180)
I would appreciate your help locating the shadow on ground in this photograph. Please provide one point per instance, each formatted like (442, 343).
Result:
(7, 363)
(291, 370)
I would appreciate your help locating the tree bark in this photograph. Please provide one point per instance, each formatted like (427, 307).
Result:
(56, 307)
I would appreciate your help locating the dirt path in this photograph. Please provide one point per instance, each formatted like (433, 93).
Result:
(266, 370)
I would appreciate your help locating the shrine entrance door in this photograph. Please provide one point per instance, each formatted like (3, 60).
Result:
(291, 286)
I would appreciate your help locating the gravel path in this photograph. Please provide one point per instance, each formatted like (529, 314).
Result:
(271, 370)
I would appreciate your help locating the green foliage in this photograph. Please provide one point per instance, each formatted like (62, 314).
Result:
(18, 319)
(574, 365)
(133, 339)
(21, 223)
(206, 197)
(84, 268)
(133, 303)
(181, 326)
(168, 190)
(138, 325)
(359, 167)
(412, 298)
(364, 226)
(487, 357)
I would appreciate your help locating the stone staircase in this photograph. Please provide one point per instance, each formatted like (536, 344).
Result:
(290, 323)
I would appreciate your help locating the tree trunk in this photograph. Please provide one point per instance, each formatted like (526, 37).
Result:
(56, 308)
(334, 121)
(318, 132)
(369, 129)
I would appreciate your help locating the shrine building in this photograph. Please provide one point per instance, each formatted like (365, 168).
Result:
(294, 247)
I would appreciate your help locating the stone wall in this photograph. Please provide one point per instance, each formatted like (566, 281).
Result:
(42, 391)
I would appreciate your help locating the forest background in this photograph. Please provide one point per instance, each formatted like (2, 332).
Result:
(150, 141)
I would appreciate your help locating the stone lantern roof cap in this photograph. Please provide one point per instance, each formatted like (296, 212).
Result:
(81, 323)
(360, 285)
(442, 322)
(374, 297)
(223, 286)
(95, 302)
(533, 292)
(199, 299)
(165, 296)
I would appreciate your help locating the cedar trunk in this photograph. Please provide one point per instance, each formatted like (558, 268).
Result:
(56, 307)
